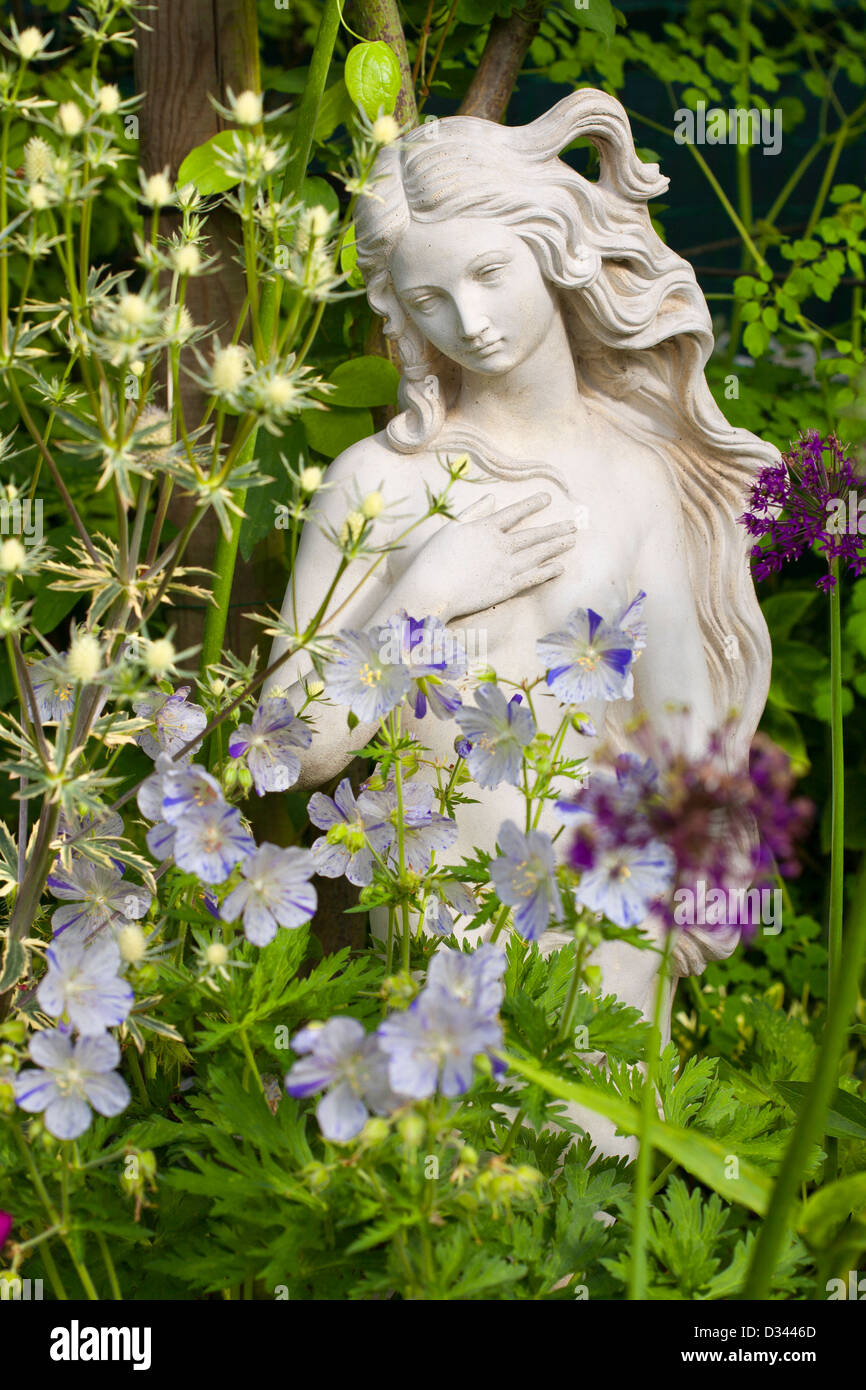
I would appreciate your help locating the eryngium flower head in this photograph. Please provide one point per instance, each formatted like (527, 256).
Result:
(797, 502)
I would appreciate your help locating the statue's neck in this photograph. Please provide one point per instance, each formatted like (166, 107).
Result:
(539, 397)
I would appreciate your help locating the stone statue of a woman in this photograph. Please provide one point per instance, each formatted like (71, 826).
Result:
(543, 328)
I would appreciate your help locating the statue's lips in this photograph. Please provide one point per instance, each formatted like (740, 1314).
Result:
(486, 349)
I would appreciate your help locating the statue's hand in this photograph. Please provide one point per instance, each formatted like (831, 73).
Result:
(479, 559)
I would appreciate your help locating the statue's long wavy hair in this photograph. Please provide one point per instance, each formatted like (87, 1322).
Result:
(638, 324)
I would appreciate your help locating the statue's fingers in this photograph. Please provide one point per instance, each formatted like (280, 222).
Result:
(509, 516)
(540, 554)
(535, 535)
(482, 506)
(530, 579)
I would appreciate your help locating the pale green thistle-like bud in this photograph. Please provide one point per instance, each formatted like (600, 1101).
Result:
(108, 99)
(84, 658)
(71, 118)
(13, 556)
(248, 108)
(311, 478)
(38, 160)
(159, 657)
(373, 505)
(385, 130)
(229, 369)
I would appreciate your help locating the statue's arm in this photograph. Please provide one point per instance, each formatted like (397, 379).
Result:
(360, 600)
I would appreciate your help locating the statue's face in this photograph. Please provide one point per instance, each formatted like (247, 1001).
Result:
(475, 291)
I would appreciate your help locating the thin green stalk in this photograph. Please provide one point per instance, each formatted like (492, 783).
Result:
(251, 1061)
(837, 832)
(640, 1229)
(809, 1127)
(109, 1267)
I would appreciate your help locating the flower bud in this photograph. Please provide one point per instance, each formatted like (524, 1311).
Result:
(186, 259)
(108, 98)
(134, 310)
(412, 1130)
(38, 160)
(13, 556)
(372, 505)
(37, 197)
(229, 369)
(216, 954)
(31, 42)
(375, 1131)
(159, 657)
(84, 658)
(279, 392)
(310, 479)
(132, 943)
(316, 1176)
(71, 118)
(157, 190)
(385, 130)
(248, 108)
(315, 689)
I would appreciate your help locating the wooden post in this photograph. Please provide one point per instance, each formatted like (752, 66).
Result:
(194, 50)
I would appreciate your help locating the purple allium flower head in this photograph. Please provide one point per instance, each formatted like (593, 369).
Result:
(361, 676)
(524, 877)
(803, 501)
(173, 722)
(83, 982)
(93, 895)
(275, 892)
(71, 1077)
(433, 656)
(343, 1060)
(497, 731)
(269, 742)
(210, 843)
(435, 1043)
(345, 849)
(424, 830)
(591, 659)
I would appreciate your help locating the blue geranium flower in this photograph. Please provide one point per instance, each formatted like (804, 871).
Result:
(210, 843)
(424, 831)
(173, 722)
(524, 877)
(346, 848)
(347, 1063)
(625, 882)
(70, 1077)
(84, 983)
(591, 659)
(269, 742)
(435, 1043)
(497, 730)
(361, 676)
(433, 656)
(275, 892)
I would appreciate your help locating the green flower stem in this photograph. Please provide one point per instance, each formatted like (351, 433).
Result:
(55, 1217)
(837, 834)
(109, 1267)
(401, 848)
(251, 1061)
(640, 1230)
(810, 1121)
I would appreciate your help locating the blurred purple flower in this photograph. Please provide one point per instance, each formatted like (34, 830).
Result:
(497, 731)
(5, 1227)
(54, 692)
(524, 877)
(275, 892)
(445, 896)
(474, 978)
(268, 742)
(71, 1077)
